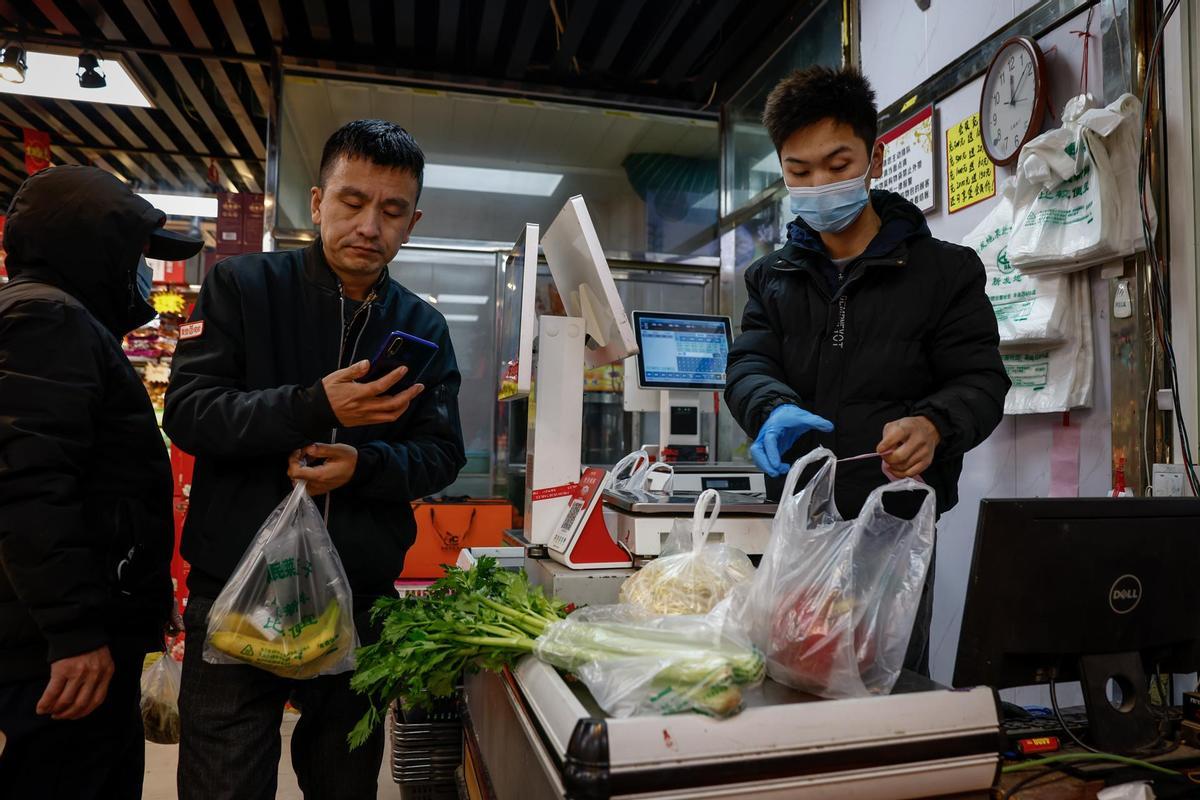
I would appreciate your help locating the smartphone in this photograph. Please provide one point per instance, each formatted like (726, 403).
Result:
(401, 349)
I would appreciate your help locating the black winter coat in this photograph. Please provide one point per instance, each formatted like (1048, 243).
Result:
(907, 330)
(86, 528)
(246, 391)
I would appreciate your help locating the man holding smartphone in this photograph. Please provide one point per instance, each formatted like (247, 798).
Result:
(265, 390)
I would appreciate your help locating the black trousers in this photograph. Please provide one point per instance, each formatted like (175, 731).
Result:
(917, 657)
(99, 757)
(230, 715)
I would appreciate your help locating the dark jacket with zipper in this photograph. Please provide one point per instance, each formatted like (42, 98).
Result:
(86, 528)
(904, 330)
(246, 391)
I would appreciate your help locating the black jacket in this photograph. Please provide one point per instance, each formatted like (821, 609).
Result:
(907, 330)
(246, 391)
(84, 475)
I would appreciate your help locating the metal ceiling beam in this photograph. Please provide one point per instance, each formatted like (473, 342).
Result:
(489, 31)
(618, 32)
(195, 31)
(164, 141)
(527, 36)
(58, 19)
(447, 31)
(109, 46)
(768, 44)
(273, 15)
(85, 124)
(576, 25)
(700, 37)
(318, 18)
(9, 12)
(576, 95)
(112, 31)
(406, 27)
(227, 11)
(360, 23)
(662, 35)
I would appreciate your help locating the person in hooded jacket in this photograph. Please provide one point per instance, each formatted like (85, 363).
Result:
(86, 527)
(863, 333)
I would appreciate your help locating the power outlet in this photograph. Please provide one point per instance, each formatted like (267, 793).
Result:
(1169, 480)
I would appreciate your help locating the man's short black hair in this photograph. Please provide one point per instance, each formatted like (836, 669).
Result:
(378, 141)
(810, 95)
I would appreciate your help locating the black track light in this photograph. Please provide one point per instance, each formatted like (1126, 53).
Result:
(12, 63)
(90, 73)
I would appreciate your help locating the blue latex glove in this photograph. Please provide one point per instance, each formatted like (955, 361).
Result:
(781, 430)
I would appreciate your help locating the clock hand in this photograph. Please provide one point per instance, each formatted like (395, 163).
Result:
(1011, 91)
(1028, 71)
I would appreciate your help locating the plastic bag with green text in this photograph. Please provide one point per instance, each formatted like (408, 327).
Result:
(287, 607)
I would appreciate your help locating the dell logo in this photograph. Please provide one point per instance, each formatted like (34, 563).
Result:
(1125, 594)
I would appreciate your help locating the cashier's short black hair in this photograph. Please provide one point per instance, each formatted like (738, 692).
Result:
(810, 95)
(380, 142)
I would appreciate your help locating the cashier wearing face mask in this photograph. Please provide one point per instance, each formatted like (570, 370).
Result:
(863, 333)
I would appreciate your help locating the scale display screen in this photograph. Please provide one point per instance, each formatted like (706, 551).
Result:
(682, 351)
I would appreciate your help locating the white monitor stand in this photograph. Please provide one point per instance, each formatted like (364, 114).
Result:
(678, 410)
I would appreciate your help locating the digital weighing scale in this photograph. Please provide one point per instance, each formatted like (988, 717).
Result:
(643, 520)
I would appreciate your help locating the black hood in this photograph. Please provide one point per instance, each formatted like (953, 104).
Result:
(82, 230)
(900, 221)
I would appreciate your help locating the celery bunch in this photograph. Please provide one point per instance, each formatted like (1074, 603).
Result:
(486, 618)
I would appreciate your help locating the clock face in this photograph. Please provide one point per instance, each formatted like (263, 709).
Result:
(1009, 102)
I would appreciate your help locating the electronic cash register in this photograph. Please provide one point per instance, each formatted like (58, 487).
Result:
(681, 358)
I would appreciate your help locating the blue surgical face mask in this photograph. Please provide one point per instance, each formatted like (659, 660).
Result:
(833, 207)
(145, 278)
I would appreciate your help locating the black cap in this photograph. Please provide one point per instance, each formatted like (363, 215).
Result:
(167, 245)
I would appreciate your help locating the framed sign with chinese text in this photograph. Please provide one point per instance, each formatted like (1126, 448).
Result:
(909, 160)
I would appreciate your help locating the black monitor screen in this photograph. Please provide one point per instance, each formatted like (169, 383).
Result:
(682, 351)
(1055, 579)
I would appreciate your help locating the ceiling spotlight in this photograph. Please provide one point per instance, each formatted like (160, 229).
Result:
(12, 63)
(90, 73)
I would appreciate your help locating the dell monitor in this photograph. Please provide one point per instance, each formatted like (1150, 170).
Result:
(682, 351)
(1094, 589)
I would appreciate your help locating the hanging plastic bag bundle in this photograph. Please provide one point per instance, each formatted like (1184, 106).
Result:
(1030, 310)
(833, 602)
(160, 700)
(287, 607)
(1078, 201)
(690, 575)
(636, 473)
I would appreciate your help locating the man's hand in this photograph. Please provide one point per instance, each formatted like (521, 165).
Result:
(908, 445)
(174, 626)
(333, 473)
(356, 404)
(78, 685)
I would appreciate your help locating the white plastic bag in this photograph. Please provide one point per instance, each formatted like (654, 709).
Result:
(1030, 310)
(160, 700)
(1056, 379)
(1077, 200)
(690, 575)
(287, 607)
(636, 473)
(833, 602)
(637, 663)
